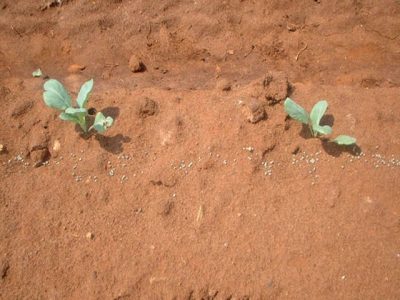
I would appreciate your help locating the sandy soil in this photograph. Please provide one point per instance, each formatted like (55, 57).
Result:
(204, 188)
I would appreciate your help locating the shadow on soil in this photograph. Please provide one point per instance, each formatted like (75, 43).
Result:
(111, 144)
(112, 112)
(336, 150)
(114, 143)
(325, 120)
(330, 147)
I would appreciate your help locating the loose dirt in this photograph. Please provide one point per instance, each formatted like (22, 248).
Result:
(204, 188)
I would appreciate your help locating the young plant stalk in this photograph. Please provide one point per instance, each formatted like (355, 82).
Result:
(76, 115)
(313, 119)
(56, 96)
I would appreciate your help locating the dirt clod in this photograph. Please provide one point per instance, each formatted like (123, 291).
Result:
(38, 141)
(276, 86)
(147, 107)
(39, 156)
(136, 65)
(76, 68)
(165, 208)
(254, 111)
(223, 85)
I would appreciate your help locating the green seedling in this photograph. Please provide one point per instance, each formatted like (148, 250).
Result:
(313, 119)
(56, 96)
(101, 123)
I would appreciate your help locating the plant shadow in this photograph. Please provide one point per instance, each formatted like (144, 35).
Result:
(325, 120)
(305, 132)
(336, 150)
(112, 112)
(113, 144)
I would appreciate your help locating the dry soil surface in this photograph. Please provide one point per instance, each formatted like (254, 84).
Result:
(204, 188)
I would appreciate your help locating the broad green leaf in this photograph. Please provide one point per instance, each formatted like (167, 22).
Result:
(101, 123)
(322, 129)
(56, 96)
(318, 111)
(109, 122)
(296, 111)
(70, 117)
(84, 94)
(98, 127)
(76, 111)
(345, 140)
(37, 73)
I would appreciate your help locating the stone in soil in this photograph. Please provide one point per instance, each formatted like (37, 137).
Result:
(253, 111)
(136, 65)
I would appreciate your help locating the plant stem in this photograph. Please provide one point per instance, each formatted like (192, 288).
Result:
(314, 133)
(83, 126)
(82, 123)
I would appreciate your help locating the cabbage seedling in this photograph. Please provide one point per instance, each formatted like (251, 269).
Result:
(313, 119)
(56, 96)
(101, 123)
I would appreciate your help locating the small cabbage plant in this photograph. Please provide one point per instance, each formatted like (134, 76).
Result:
(313, 119)
(56, 96)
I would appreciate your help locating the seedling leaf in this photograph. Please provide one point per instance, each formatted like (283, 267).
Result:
(318, 111)
(84, 93)
(56, 96)
(76, 111)
(101, 123)
(69, 117)
(322, 129)
(345, 140)
(296, 111)
(109, 122)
